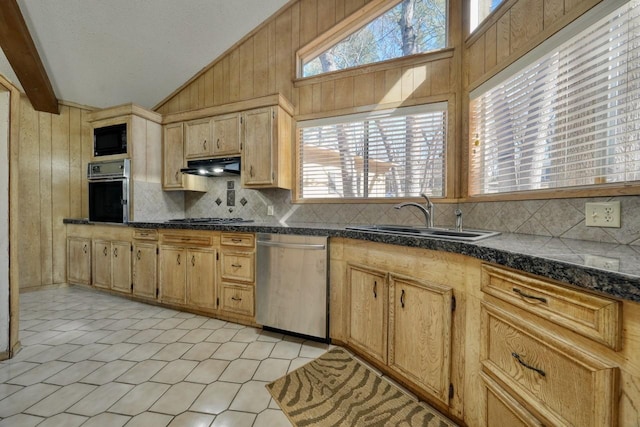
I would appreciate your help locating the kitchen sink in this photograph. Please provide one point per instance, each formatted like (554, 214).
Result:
(437, 233)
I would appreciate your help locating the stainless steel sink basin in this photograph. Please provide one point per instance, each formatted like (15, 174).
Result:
(437, 233)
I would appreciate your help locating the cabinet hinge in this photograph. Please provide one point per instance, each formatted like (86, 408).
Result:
(450, 391)
(157, 251)
(157, 292)
(131, 247)
(132, 287)
(273, 114)
(217, 256)
(273, 176)
(453, 303)
(217, 302)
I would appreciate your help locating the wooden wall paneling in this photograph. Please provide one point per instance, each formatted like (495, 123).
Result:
(246, 69)
(225, 76)
(476, 59)
(379, 87)
(29, 196)
(440, 74)
(328, 95)
(490, 48)
(305, 103)
(208, 88)
(87, 149)
(14, 218)
(76, 170)
(295, 45)
(284, 62)
(422, 80)
(218, 83)
(184, 99)
(344, 93)
(553, 11)
(154, 152)
(193, 95)
(234, 75)
(393, 85)
(60, 132)
(526, 22)
(326, 15)
(261, 62)
(308, 20)
(139, 133)
(503, 37)
(351, 6)
(363, 89)
(46, 239)
(406, 83)
(317, 98)
(271, 67)
(339, 10)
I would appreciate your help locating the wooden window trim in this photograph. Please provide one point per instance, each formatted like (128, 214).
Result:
(602, 190)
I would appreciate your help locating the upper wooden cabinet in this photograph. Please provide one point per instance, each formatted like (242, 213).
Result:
(212, 137)
(226, 135)
(198, 139)
(266, 148)
(173, 161)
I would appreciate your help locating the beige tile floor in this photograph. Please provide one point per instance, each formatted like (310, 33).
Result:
(91, 359)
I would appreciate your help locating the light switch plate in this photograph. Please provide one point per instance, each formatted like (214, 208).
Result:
(603, 214)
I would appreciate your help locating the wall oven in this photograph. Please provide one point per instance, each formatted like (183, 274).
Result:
(109, 191)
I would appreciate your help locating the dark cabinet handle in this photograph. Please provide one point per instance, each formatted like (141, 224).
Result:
(193, 260)
(177, 172)
(375, 289)
(236, 298)
(105, 251)
(84, 249)
(178, 259)
(218, 143)
(236, 265)
(530, 297)
(115, 252)
(251, 171)
(402, 299)
(204, 145)
(138, 254)
(236, 240)
(526, 365)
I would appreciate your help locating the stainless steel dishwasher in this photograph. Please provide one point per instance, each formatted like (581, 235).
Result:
(292, 283)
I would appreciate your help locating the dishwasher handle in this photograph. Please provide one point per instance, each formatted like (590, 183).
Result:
(305, 246)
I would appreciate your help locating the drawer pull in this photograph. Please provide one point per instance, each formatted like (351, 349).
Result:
(526, 365)
(193, 260)
(375, 289)
(236, 298)
(530, 297)
(84, 249)
(138, 254)
(204, 145)
(236, 240)
(115, 252)
(236, 265)
(178, 260)
(218, 143)
(402, 298)
(105, 251)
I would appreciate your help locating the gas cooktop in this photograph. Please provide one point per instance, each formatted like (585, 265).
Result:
(208, 220)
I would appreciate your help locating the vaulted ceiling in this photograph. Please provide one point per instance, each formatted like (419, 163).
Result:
(104, 53)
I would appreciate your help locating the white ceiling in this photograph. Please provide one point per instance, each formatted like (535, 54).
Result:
(103, 53)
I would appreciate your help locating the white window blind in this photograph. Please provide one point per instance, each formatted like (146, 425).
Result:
(571, 118)
(399, 153)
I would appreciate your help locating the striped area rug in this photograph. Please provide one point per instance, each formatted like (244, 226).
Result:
(336, 390)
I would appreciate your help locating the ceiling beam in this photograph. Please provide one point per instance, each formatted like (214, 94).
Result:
(18, 47)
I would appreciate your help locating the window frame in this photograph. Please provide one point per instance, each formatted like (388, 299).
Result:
(349, 25)
(449, 166)
(591, 190)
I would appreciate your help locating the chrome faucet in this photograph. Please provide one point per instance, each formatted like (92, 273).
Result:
(426, 210)
(458, 213)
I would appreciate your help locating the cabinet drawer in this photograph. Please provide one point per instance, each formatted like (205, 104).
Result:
(237, 298)
(188, 239)
(557, 380)
(144, 234)
(593, 316)
(237, 266)
(246, 240)
(502, 410)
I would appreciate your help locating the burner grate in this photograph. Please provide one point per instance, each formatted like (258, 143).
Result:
(208, 220)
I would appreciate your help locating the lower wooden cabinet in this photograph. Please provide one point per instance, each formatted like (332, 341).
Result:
(112, 265)
(404, 323)
(172, 276)
(145, 269)
(502, 410)
(201, 278)
(79, 260)
(237, 298)
(237, 276)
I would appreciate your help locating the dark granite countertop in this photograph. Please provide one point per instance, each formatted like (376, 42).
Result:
(571, 261)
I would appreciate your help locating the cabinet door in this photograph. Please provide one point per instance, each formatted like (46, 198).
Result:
(367, 316)
(173, 274)
(121, 266)
(79, 261)
(226, 135)
(145, 270)
(420, 315)
(257, 138)
(172, 157)
(102, 264)
(236, 298)
(198, 139)
(201, 278)
(237, 266)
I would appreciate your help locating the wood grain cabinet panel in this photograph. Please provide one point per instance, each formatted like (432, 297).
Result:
(237, 298)
(237, 266)
(559, 382)
(368, 313)
(198, 139)
(79, 260)
(172, 157)
(112, 265)
(237, 276)
(102, 264)
(172, 277)
(201, 283)
(596, 317)
(226, 135)
(502, 410)
(420, 317)
(145, 269)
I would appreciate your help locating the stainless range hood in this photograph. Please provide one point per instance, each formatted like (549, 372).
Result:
(228, 166)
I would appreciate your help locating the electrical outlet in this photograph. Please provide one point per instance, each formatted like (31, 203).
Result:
(270, 210)
(605, 214)
(603, 262)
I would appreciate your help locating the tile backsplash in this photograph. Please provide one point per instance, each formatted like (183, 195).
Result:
(553, 217)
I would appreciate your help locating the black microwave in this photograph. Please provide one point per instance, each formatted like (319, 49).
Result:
(110, 140)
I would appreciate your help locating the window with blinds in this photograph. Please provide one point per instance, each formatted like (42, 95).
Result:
(570, 118)
(387, 154)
